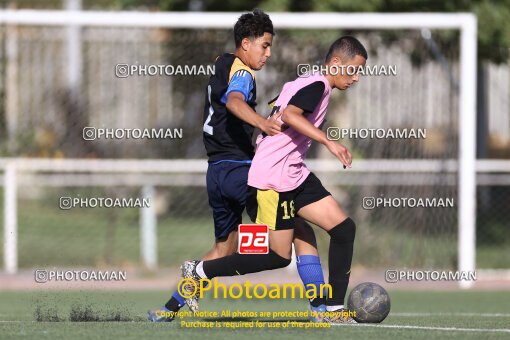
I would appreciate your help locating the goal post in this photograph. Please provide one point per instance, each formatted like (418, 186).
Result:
(466, 23)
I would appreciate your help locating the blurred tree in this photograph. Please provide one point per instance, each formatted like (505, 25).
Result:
(493, 15)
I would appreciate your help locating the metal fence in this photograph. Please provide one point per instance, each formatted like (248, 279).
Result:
(58, 80)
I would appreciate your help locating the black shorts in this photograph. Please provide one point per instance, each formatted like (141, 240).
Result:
(278, 209)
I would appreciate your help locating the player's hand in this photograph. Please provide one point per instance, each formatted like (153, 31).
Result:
(272, 126)
(340, 152)
(283, 126)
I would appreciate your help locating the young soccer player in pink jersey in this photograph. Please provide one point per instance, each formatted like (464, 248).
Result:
(229, 122)
(282, 188)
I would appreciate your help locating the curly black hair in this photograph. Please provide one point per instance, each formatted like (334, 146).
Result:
(252, 25)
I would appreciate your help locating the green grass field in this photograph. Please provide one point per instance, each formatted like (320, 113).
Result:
(48, 236)
(414, 315)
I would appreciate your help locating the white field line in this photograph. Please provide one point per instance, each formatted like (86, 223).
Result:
(428, 328)
(487, 315)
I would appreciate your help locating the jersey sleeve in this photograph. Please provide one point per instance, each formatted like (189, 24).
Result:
(308, 97)
(241, 81)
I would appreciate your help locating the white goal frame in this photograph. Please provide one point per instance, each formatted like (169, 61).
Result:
(466, 23)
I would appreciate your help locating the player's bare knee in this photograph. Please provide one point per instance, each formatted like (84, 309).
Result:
(344, 232)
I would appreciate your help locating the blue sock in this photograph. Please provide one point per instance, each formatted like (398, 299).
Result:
(179, 298)
(310, 272)
(177, 301)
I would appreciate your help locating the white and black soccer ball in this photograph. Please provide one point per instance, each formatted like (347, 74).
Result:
(370, 302)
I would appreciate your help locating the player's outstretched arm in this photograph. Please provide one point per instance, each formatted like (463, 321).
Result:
(237, 105)
(293, 117)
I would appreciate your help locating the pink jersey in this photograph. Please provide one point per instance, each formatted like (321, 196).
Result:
(278, 162)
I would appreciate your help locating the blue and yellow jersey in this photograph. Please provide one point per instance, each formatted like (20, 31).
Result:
(227, 137)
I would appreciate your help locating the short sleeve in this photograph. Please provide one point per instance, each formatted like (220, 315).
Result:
(308, 97)
(241, 81)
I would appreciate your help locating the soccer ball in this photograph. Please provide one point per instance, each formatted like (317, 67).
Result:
(370, 302)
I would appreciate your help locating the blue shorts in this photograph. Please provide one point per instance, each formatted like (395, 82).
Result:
(227, 187)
